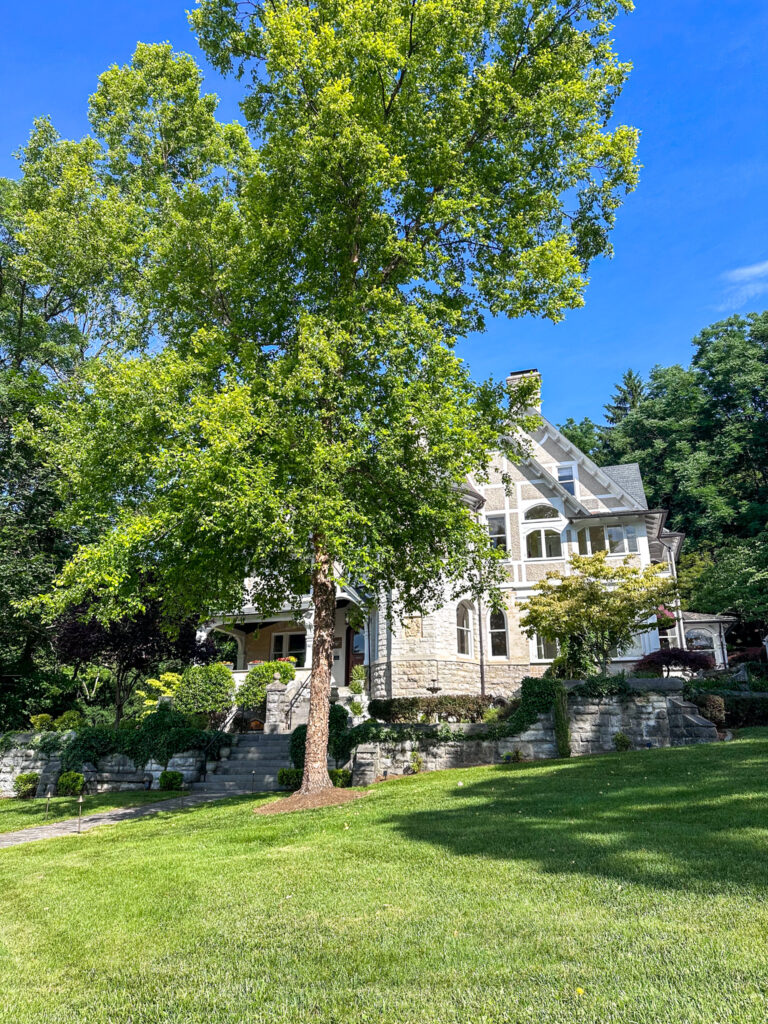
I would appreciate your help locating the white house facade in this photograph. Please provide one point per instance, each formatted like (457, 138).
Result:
(538, 512)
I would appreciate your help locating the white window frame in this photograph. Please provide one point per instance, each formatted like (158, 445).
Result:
(574, 468)
(285, 646)
(544, 557)
(503, 517)
(504, 630)
(535, 641)
(544, 519)
(467, 630)
(629, 537)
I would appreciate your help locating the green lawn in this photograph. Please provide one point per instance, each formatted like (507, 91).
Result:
(626, 889)
(18, 814)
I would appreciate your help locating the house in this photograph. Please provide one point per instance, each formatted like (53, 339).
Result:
(559, 503)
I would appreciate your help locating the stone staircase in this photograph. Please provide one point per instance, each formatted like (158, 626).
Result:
(251, 766)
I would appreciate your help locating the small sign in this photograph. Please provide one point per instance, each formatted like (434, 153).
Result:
(337, 641)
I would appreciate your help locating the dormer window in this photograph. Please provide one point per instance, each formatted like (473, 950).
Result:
(566, 477)
(541, 512)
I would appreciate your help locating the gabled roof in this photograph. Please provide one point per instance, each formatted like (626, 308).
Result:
(616, 485)
(629, 479)
(570, 502)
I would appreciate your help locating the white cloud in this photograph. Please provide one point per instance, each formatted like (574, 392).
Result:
(743, 284)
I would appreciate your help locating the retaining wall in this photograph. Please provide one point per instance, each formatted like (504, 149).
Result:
(659, 718)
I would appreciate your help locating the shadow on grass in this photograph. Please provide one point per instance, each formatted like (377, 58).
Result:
(693, 819)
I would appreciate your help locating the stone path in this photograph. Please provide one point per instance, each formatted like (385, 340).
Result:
(89, 821)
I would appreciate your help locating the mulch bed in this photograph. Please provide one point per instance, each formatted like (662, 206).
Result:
(311, 801)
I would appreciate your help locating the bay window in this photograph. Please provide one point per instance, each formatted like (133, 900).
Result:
(616, 540)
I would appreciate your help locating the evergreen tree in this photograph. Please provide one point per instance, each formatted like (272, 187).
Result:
(626, 398)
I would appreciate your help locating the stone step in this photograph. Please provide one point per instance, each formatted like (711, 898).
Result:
(237, 784)
(251, 764)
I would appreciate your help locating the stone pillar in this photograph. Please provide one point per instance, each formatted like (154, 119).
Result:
(274, 717)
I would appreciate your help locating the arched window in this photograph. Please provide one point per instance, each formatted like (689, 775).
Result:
(463, 629)
(544, 544)
(541, 512)
(498, 631)
(699, 640)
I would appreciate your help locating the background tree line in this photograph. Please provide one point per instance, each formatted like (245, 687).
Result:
(700, 435)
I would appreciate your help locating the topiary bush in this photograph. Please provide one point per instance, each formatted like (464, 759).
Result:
(70, 784)
(253, 692)
(70, 721)
(42, 723)
(170, 781)
(622, 742)
(205, 689)
(25, 785)
(713, 708)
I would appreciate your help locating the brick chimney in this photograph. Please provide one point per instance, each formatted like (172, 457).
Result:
(519, 375)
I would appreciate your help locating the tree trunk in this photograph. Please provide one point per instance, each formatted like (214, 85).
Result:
(316, 777)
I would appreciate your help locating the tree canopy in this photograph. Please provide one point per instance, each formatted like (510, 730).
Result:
(296, 415)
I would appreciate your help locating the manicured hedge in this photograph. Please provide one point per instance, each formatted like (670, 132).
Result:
(291, 778)
(418, 709)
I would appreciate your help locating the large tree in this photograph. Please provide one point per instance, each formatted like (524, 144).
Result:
(408, 166)
(53, 310)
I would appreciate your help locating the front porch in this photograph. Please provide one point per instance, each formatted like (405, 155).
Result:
(288, 634)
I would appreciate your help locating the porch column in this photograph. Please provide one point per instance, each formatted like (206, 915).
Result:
(308, 618)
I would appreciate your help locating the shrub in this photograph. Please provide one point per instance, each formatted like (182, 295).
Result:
(675, 657)
(69, 721)
(492, 714)
(157, 738)
(171, 780)
(253, 692)
(713, 708)
(622, 742)
(42, 723)
(513, 756)
(417, 763)
(338, 732)
(562, 725)
(358, 679)
(70, 784)
(415, 709)
(290, 778)
(25, 785)
(205, 689)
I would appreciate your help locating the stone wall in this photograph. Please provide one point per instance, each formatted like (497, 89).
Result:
(655, 718)
(115, 773)
(22, 759)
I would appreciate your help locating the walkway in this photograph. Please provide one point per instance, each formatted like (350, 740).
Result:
(89, 821)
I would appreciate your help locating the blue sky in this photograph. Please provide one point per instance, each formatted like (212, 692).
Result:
(691, 243)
